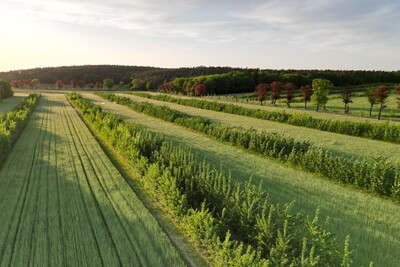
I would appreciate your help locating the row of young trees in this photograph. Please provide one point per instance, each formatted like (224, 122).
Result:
(319, 94)
(13, 123)
(379, 131)
(210, 209)
(377, 176)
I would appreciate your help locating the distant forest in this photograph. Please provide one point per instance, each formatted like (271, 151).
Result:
(153, 77)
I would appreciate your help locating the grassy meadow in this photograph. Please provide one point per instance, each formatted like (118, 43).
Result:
(370, 221)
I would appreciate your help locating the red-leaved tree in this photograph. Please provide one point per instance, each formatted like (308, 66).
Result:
(381, 95)
(59, 84)
(347, 93)
(166, 87)
(199, 89)
(74, 83)
(290, 89)
(276, 89)
(306, 92)
(14, 83)
(261, 91)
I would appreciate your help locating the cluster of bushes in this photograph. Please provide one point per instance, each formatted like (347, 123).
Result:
(375, 175)
(5, 89)
(233, 224)
(12, 124)
(377, 131)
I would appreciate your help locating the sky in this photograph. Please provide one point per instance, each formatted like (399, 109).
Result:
(266, 34)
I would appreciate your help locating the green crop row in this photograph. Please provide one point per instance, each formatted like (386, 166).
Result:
(234, 224)
(377, 131)
(12, 124)
(374, 175)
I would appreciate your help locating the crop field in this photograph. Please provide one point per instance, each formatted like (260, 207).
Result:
(63, 203)
(341, 145)
(8, 103)
(370, 221)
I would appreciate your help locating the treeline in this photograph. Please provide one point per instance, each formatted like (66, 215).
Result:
(378, 131)
(91, 74)
(233, 224)
(233, 80)
(5, 89)
(242, 81)
(13, 123)
(374, 175)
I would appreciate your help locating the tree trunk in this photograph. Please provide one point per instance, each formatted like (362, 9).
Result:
(370, 111)
(379, 114)
(305, 104)
(317, 107)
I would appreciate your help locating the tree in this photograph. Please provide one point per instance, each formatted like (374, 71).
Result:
(5, 89)
(306, 92)
(321, 88)
(371, 99)
(261, 91)
(276, 88)
(290, 89)
(59, 84)
(188, 88)
(15, 84)
(398, 96)
(74, 83)
(108, 83)
(199, 89)
(166, 87)
(35, 83)
(81, 83)
(381, 94)
(98, 85)
(347, 93)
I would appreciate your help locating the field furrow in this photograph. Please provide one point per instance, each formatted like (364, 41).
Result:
(65, 204)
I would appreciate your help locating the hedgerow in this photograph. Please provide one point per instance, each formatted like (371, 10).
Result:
(378, 131)
(374, 175)
(13, 123)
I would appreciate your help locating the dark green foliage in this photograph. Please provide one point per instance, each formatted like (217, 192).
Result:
(378, 131)
(13, 123)
(234, 224)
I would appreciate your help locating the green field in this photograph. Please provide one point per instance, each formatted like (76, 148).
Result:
(370, 221)
(338, 144)
(63, 203)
